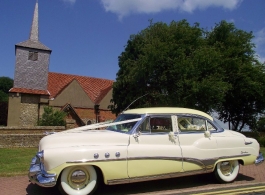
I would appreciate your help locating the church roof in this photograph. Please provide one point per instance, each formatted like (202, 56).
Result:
(33, 44)
(29, 91)
(95, 88)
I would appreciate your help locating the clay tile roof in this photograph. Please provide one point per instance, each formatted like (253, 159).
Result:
(95, 88)
(29, 91)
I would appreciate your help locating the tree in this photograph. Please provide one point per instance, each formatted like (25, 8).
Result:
(245, 100)
(261, 125)
(181, 65)
(52, 117)
(174, 65)
(6, 84)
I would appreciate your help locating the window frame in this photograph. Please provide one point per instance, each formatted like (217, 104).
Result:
(217, 128)
(150, 132)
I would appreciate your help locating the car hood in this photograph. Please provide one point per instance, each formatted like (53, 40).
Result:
(229, 133)
(83, 138)
(235, 133)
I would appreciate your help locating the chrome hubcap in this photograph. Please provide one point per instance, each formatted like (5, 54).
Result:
(78, 178)
(227, 168)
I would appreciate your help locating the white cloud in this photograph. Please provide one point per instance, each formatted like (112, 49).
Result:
(126, 7)
(191, 5)
(231, 20)
(70, 1)
(259, 41)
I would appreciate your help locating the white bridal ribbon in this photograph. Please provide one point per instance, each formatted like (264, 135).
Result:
(100, 125)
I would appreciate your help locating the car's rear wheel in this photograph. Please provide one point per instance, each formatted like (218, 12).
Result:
(226, 171)
(78, 180)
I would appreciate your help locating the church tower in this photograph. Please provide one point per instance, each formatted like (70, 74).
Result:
(30, 90)
(32, 60)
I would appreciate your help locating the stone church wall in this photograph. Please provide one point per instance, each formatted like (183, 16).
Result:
(29, 110)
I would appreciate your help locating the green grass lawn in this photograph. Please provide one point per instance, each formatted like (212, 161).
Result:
(16, 161)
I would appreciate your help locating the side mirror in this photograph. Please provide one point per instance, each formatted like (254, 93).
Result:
(136, 135)
(207, 134)
(171, 135)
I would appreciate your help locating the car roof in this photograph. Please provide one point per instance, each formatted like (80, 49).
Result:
(167, 110)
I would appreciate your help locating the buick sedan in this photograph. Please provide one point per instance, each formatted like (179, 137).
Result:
(141, 144)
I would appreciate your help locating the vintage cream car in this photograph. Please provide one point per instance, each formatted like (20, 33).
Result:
(140, 145)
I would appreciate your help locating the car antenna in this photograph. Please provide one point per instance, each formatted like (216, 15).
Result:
(134, 101)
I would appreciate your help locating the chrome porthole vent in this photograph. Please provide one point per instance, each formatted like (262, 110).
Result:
(96, 155)
(117, 154)
(107, 155)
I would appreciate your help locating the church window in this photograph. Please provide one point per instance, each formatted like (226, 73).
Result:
(33, 56)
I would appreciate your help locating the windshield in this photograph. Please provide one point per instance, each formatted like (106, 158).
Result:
(124, 127)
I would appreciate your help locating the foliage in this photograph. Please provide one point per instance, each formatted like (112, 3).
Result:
(181, 65)
(173, 64)
(260, 125)
(3, 96)
(244, 101)
(6, 84)
(52, 117)
(261, 141)
(262, 150)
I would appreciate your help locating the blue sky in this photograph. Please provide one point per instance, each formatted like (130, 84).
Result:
(87, 36)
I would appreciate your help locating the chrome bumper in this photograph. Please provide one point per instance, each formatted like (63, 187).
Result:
(37, 173)
(259, 159)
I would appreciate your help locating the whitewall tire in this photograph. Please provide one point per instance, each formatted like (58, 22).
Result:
(78, 180)
(226, 171)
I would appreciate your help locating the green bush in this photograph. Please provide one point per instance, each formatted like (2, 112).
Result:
(52, 117)
(261, 141)
(261, 124)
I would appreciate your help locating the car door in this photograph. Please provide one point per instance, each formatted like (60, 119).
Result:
(199, 149)
(153, 149)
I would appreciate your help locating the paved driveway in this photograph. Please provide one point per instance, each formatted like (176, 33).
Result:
(248, 175)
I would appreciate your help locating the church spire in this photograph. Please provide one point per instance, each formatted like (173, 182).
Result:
(34, 32)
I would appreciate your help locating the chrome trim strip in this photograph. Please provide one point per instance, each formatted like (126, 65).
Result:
(247, 143)
(99, 160)
(206, 164)
(201, 162)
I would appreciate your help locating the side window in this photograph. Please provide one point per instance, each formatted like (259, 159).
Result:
(160, 124)
(191, 124)
(156, 124)
(211, 127)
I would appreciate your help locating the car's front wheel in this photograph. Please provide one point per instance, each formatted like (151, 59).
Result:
(226, 171)
(78, 180)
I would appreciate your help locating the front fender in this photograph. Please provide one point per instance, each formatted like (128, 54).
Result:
(111, 160)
